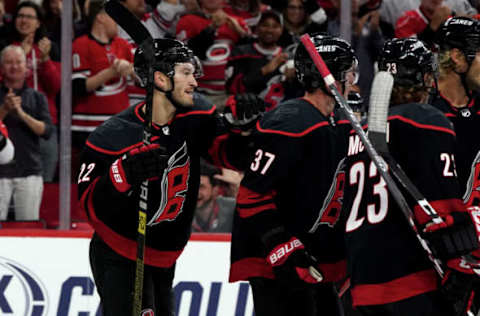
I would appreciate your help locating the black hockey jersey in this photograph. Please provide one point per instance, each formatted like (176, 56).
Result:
(114, 216)
(466, 122)
(385, 260)
(296, 153)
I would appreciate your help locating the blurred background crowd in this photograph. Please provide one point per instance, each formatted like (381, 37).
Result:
(244, 46)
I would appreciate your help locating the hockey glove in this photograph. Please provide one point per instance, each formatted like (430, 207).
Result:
(139, 164)
(242, 111)
(454, 237)
(292, 265)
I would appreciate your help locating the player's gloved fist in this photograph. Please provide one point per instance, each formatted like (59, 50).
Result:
(243, 110)
(454, 237)
(139, 164)
(292, 264)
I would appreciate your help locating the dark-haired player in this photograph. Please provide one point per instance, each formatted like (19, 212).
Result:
(284, 209)
(115, 165)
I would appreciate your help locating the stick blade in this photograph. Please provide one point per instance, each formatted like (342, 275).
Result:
(378, 110)
(128, 22)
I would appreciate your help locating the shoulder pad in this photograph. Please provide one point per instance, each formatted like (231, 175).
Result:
(423, 115)
(294, 118)
(117, 135)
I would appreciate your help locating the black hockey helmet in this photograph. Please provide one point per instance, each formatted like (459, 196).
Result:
(167, 53)
(408, 60)
(337, 54)
(460, 32)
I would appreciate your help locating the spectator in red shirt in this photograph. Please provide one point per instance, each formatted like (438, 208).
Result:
(101, 63)
(211, 35)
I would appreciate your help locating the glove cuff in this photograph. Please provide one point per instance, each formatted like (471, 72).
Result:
(117, 176)
(281, 252)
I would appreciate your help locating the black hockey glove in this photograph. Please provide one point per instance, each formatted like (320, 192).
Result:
(242, 111)
(454, 237)
(139, 164)
(291, 263)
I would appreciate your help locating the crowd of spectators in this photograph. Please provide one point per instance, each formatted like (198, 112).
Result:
(244, 46)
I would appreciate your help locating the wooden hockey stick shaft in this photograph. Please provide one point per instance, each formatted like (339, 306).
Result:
(140, 35)
(376, 158)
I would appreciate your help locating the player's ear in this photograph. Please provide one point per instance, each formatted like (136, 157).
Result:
(459, 59)
(162, 81)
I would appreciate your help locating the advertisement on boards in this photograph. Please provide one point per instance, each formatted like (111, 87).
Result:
(45, 276)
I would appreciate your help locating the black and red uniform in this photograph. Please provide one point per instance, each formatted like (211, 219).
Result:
(296, 153)
(197, 132)
(386, 263)
(466, 121)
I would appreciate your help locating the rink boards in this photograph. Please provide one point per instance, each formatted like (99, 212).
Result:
(46, 273)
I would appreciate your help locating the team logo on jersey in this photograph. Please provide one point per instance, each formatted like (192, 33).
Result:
(332, 204)
(166, 130)
(465, 113)
(19, 284)
(174, 187)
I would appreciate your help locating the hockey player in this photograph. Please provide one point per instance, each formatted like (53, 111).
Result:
(458, 98)
(390, 272)
(6, 145)
(284, 197)
(115, 163)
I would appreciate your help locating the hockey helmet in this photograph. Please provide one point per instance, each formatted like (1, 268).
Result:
(460, 32)
(167, 53)
(408, 60)
(337, 54)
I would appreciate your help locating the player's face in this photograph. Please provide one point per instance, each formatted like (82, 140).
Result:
(14, 66)
(269, 31)
(27, 21)
(473, 75)
(185, 84)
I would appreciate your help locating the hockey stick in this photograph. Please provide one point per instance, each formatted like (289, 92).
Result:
(123, 17)
(376, 158)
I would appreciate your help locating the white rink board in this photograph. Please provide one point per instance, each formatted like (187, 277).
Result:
(45, 276)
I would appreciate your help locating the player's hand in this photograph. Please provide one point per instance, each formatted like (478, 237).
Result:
(242, 111)
(292, 265)
(454, 237)
(139, 164)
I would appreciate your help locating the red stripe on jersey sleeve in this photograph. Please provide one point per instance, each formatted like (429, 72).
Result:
(442, 207)
(218, 152)
(333, 272)
(247, 268)
(250, 203)
(246, 196)
(395, 290)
